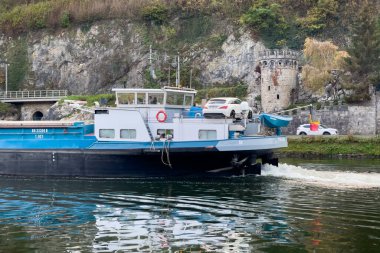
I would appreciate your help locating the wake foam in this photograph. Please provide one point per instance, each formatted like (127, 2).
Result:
(331, 179)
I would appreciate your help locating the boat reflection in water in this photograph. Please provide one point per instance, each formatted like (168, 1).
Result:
(273, 212)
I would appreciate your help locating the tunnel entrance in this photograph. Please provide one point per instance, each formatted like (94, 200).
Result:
(37, 116)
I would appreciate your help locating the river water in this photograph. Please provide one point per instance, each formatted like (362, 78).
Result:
(301, 206)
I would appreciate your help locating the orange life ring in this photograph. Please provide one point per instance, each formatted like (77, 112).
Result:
(159, 118)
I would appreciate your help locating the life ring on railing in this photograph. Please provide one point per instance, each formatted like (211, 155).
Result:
(161, 116)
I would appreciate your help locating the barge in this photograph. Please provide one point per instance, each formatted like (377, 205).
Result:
(150, 133)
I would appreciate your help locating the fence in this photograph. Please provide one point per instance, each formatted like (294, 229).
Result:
(36, 94)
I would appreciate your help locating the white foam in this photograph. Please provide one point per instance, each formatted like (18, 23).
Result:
(333, 179)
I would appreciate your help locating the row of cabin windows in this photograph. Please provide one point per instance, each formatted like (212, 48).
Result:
(124, 133)
(163, 133)
(154, 99)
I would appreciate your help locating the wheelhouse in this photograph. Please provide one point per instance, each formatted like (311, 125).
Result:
(167, 97)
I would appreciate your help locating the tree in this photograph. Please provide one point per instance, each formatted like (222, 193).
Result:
(266, 20)
(321, 58)
(364, 61)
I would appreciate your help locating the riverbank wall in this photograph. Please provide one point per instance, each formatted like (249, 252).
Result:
(361, 119)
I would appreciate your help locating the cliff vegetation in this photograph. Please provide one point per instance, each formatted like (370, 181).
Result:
(333, 34)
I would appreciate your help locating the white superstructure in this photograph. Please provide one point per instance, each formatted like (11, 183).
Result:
(143, 115)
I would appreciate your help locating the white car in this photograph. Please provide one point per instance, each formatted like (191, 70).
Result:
(226, 107)
(322, 130)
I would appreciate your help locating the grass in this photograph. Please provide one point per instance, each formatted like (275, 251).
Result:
(334, 145)
(22, 17)
(91, 99)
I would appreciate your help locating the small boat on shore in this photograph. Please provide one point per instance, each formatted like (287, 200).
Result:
(275, 121)
(150, 133)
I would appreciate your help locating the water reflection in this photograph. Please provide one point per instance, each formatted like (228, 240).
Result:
(264, 214)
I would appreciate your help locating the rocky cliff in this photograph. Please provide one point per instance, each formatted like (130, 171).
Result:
(93, 59)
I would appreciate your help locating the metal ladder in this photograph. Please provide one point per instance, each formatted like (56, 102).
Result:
(149, 132)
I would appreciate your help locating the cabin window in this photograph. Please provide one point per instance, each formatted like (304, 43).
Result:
(163, 133)
(174, 98)
(155, 98)
(107, 133)
(101, 112)
(236, 102)
(141, 98)
(126, 98)
(128, 134)
(188, 100)
(207, 134)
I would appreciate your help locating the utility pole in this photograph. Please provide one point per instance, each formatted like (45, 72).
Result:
(178, 79)
(191, 76)
(6, 78)
(169, 76)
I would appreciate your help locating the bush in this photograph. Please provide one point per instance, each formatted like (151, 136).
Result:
(266, 20)
(65, 19)
(317, 18)
(91, 99)
(157, 13)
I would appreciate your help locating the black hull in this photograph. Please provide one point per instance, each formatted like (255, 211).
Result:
(117, 163)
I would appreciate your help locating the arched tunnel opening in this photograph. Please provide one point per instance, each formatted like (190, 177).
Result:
(37, 116)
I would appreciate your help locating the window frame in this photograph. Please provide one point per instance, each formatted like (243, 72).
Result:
(104, 129)
(208, 131)
(129, 129)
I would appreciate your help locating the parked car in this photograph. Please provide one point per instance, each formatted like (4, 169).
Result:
(322, 130)
(227, 107)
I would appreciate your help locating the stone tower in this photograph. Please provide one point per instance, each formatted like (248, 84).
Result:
(279, 70)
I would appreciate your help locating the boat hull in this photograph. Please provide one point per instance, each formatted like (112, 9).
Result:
(135, 163)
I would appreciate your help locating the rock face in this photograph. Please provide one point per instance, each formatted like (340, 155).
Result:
(70, 110)
(86, 61)
(115, 54)
(237, 61)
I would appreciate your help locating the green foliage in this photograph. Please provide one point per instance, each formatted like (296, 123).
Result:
(215, 41)
(364, 51)
(65, 19)
(262, 16)
(318, 17)
(258, 98)
(18, 64)
(238, 90)
(5, 108)
(156, 13)
(150, 82)
(265, 19)
(21, 17)
(91, 99)
(192, 29)
(268, 21)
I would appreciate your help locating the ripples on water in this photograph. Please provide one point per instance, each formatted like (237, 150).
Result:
(290, 208)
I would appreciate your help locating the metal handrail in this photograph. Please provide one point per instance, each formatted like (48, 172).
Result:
(33, 94)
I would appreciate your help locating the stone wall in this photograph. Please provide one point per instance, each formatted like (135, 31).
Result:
(348, 119)
(29, 109)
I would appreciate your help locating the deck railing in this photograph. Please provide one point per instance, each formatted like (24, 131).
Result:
(33, 94)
